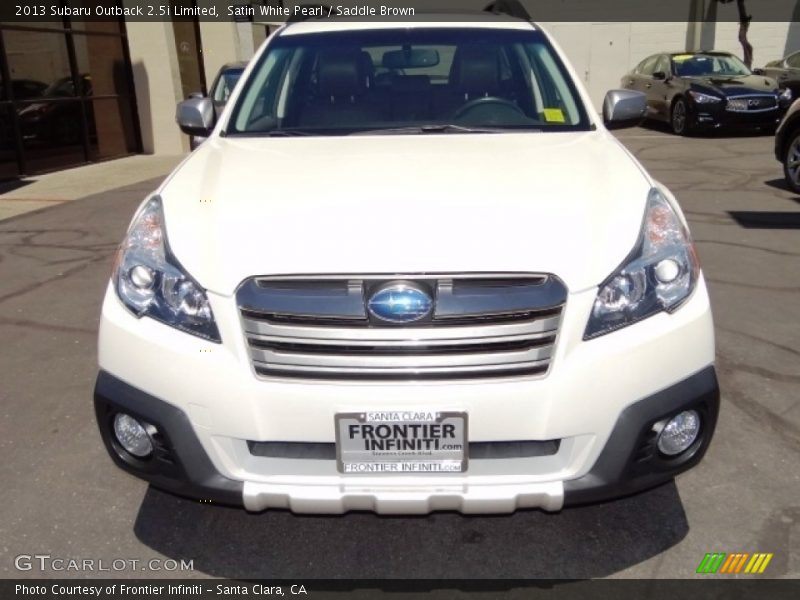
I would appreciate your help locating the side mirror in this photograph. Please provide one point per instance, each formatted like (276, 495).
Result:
(623, 108)
(660, 76)
(759, 72)
(196, 117)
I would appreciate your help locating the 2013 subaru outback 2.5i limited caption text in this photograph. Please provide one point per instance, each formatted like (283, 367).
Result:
(409, 270)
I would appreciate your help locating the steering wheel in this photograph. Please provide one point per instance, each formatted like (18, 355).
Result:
(485, 101)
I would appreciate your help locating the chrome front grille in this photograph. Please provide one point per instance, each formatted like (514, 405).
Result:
(487, 326)
(754, 103)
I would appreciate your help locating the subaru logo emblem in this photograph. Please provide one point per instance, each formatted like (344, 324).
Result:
(400, 303)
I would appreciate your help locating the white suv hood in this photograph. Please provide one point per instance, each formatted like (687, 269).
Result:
(570, 204)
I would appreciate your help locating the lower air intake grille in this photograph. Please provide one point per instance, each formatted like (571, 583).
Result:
(477, 450)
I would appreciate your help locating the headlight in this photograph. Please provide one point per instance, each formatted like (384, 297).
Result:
(151, 282)
(702, 98)
(658, 276)
(785, 95)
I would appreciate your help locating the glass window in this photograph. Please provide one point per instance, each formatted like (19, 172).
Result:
(336, 84)
(647, 66)
(111, 128)
(65, 118)
(25, 89)
(794, 60)
(79, 23)
(40, 60)
(662, 65)
(8, 150)
(701, 64)
(225, 83)
(101, 65)
(35, 9)
(52, 133)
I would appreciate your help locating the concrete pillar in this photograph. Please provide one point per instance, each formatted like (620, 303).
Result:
(247, 43)
(220, 41)
(157, 83)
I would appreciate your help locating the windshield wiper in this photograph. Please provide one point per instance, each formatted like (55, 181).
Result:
(271, 133)
(443, 128)
(284, 133)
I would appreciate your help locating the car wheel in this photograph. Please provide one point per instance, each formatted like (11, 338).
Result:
(791, 162)
(679, 119)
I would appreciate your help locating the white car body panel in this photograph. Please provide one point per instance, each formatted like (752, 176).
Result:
(227, 223)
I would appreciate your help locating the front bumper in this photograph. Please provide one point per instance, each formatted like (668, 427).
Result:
(210, 406)
(706, 116)
(628, 463)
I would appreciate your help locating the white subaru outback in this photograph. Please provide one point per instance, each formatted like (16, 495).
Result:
(410, 270)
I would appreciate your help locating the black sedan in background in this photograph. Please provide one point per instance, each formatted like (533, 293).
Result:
(695, 91)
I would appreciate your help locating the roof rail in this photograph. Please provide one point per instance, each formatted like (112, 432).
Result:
(305, 15)
(512, 8)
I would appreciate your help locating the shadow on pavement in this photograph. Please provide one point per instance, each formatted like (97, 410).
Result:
(590, 541)
(13, 184)
(662, 127)
(751, 219)
(778, 184)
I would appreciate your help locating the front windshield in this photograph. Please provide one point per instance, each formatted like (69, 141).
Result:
(704, 65)
(399, 80)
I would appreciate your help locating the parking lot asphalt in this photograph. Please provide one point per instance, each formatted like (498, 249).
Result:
(60, 494)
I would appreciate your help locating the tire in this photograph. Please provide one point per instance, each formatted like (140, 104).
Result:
(791, 162)
(679, 118)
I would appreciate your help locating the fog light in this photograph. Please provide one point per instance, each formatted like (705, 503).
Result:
(679, 433)
(132, 435)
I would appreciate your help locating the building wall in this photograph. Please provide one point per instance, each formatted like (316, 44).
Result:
(603, 52)
(157, 80)
(220, 45)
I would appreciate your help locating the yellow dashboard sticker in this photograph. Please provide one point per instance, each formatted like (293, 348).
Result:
(682, 57)
(554, 115)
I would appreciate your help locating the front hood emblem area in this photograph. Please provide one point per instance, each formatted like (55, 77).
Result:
(400, 303)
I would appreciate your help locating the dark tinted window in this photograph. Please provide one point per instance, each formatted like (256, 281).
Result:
(701, 65)
(225, 84)
(57, 112)
(37, 56)
(26, 89)
(101, 62)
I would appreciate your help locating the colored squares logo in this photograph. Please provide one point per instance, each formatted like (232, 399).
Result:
(737, 562)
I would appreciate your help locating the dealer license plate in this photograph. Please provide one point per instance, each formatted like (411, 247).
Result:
(401, 442)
